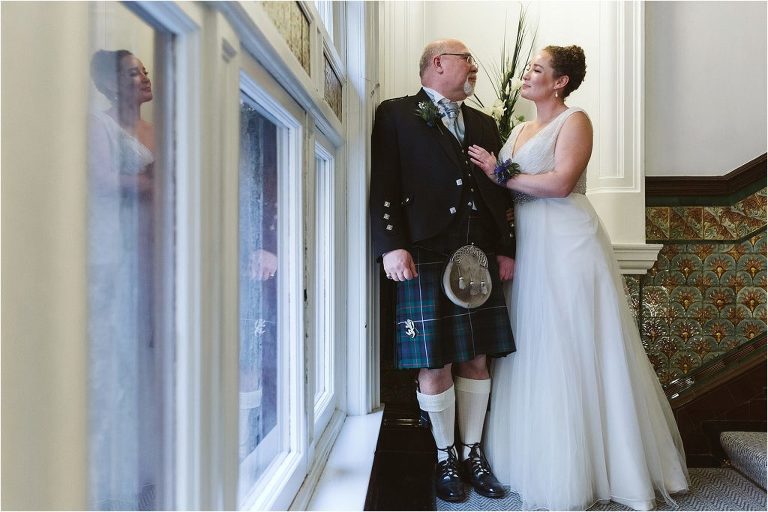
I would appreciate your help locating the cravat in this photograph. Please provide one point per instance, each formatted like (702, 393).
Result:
(453, 122)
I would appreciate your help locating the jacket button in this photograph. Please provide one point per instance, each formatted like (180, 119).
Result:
(459, 182)
(452, 210)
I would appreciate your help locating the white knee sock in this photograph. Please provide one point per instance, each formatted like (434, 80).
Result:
(471, 404)
(442, 415)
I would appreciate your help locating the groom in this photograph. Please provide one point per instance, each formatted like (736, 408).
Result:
(427, 200)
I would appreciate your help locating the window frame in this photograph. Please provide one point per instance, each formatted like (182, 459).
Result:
(280, 482)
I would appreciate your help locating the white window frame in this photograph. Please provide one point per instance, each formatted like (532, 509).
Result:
(280, 482)
(326, 288)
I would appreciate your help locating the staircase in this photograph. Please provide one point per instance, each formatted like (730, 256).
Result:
(746, 452)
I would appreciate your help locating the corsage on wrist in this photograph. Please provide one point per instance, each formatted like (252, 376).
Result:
(506, 170)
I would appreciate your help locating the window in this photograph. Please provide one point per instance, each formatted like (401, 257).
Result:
(261, 417)
(324, 336)
(130, 266)
(272, 432)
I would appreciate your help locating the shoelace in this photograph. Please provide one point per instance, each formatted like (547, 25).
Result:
(448, 466)
(478, 460)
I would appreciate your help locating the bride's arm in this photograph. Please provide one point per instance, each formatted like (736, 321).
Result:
(572, 152)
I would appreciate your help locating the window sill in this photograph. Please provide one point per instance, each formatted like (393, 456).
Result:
(343, 483)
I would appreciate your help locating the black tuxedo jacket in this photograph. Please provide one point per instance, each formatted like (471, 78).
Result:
(416, 176)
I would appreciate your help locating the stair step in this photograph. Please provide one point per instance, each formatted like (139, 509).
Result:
(747, 453)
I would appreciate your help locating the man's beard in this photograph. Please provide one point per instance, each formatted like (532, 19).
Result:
(469, 88)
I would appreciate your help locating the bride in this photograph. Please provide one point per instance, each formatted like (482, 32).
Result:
(577, 413)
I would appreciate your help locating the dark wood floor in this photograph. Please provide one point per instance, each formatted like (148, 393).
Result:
(401, 477)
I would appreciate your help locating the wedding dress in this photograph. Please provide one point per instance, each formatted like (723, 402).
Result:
(577, 413)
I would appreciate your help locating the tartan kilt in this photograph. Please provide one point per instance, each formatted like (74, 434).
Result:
(431, 331)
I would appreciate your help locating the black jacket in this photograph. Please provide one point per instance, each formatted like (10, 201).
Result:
(416, 176)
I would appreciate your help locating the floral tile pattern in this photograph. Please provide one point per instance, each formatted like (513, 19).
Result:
(702, 299)
(714, 223)
(657, 222)
(291, 22)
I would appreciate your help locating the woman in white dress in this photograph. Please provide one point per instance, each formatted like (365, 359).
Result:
(125, 416)
(577, 413)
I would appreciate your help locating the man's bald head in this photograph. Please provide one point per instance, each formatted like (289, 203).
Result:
(445, 68)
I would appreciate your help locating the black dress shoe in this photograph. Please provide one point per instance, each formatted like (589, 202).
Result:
(479, 475)
(448, 483)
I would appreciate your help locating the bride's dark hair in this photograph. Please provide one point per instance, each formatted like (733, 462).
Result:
(570, 61)
(105, 68)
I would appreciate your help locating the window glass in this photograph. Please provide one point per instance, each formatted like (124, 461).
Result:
(129, 196)
(325, 287)
(260, 429)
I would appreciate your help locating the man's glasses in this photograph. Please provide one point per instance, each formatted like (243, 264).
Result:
(467, 56)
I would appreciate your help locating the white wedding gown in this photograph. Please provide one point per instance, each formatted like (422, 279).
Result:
(577, 413)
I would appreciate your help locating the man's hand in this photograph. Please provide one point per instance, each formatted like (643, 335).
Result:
(506, 267)
(262, 265)
(399, 266)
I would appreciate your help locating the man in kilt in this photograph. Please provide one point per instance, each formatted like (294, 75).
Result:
(427, 200)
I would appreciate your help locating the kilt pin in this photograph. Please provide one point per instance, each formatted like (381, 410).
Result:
(426, 197)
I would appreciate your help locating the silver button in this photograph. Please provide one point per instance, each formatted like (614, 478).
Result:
(389, 227)
(386, 204)
(452, 210)
(459, 182)
(386, 216)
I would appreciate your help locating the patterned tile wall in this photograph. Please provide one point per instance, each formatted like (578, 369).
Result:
(332, 89)
(706, 294)
(291, 22)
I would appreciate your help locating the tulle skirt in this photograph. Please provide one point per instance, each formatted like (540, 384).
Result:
(577, 413)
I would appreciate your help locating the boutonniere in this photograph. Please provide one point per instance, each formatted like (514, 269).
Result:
(506, 170)
(431, 115)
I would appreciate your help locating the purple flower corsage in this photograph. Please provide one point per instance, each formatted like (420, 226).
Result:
(506, 170)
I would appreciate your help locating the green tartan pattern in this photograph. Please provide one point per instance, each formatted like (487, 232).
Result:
(431, 331)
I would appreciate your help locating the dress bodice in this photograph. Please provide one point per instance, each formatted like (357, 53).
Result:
(127, 155)
(537, 154)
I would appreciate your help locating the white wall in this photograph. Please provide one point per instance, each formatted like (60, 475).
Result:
(481, 25)
(705, 86)
(44, 98)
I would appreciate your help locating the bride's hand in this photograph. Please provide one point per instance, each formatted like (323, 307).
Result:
(484, 160)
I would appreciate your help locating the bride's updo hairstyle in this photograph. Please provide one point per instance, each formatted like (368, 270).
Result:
(568, 60)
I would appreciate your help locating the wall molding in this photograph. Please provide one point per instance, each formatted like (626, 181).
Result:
(636, 258)
(696, 186)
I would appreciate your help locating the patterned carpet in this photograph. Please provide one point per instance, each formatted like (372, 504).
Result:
(711, 489)
(747, 453)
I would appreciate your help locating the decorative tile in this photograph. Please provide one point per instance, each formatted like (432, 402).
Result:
(751, 297)
(686, 329)
(703, 313)
(754, 206)
(293, 25)
(706, 293)
(657, 223)
(735, 313)
(686, 361)
(685, 223)
(714, 228)
(749, 329)
(752, 264)
(332, 89)
(718, 329)
(720, 297)
(686, 296)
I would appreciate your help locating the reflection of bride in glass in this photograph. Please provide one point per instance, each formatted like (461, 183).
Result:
(124, 389)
